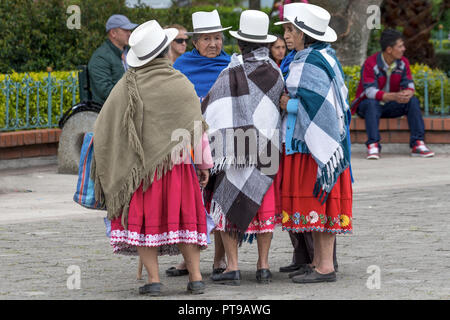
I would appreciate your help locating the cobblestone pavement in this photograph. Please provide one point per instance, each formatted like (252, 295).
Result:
(401, 233)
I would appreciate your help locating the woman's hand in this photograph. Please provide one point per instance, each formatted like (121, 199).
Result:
(203, 177)
(284, 101)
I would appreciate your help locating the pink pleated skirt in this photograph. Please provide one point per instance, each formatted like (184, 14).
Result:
(169, 212)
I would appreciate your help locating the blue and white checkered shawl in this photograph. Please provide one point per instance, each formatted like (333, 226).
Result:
(318, 114)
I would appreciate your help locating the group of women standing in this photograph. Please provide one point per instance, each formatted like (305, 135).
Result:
(159, 194)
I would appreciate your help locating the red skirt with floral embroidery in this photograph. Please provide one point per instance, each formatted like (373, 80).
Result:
(269, 213)
(169, 212)
(267, 217)
(302, 211)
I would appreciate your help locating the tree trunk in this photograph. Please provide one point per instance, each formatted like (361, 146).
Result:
(351, 21)
(255, 4)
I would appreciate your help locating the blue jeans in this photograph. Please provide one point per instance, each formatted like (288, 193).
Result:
(372, 111)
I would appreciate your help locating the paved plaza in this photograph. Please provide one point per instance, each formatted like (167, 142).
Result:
(51, 248)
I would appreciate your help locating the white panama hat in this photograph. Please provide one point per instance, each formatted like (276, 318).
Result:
(312, 20)
(147, 41)
(290, 10)
(206, 22)
(253, 27)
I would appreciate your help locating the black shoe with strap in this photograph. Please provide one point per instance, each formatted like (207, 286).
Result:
(263, 276)
(304, 268)
(196, 287)
(218, 270)
(315, 277)
(232, 278)
(290, 268)
(151, 289)
(174, 272)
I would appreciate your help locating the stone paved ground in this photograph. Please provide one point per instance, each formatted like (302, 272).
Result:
(401, 226)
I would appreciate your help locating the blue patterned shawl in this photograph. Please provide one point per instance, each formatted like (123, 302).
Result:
(318, 114)
(286, 63)
(200, 70)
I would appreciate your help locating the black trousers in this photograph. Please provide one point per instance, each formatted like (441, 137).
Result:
(304, 248)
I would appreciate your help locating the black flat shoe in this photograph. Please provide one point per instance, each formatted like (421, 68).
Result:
(290, 268)
(174, 272)
(196, 287)
(151, 289)
(315, 277)
(232, 278)
(263, 276)
(218, 270)
(305, 268)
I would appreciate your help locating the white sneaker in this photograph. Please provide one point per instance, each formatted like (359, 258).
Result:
(421, 150)
(373, 151)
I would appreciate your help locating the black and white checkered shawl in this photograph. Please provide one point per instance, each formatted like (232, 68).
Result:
(242, 111)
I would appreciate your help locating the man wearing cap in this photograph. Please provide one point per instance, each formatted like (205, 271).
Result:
(107, 64)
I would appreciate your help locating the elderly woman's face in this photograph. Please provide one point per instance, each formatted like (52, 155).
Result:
(293, 37)
(209, 44)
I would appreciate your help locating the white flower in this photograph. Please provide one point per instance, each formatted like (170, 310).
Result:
(314, 217)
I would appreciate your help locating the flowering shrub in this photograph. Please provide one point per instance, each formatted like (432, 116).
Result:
(24, 88)
(436, 79)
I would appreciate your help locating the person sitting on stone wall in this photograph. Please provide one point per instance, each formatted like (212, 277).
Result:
(386, 90)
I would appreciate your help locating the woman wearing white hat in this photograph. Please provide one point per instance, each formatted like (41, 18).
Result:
(302, 242)
(154, 202)
(202, 66)
(204, 63)
(316, 187)
(245, 98)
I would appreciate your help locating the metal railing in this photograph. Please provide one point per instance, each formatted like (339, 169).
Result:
(433, 93)
(442, 108)
(441, 37)
(34, 104)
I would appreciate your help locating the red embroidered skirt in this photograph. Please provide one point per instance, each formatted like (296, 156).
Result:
(269, 213)
(302, 211)
(170, 211)
(267, 217)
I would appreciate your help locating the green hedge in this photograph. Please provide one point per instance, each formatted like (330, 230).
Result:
(34, 34)
(443, 60)
(37, 82)
(65, 79)
(435, 78)
(445, 44)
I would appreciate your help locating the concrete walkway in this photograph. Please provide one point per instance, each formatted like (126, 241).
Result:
(400, 247)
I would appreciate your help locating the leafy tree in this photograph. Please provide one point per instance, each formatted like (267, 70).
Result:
(416, 19)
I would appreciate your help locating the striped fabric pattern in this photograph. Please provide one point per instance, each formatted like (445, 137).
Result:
(85, 194)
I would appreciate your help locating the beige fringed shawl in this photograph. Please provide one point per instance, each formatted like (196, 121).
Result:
(132, 134)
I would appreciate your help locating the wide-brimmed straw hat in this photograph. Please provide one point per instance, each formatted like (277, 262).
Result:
(312, 20)
(253, 27)
(290, 10)
(147, 41)
(206, 22)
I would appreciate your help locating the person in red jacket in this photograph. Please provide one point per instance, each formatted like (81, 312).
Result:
(386, 90)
